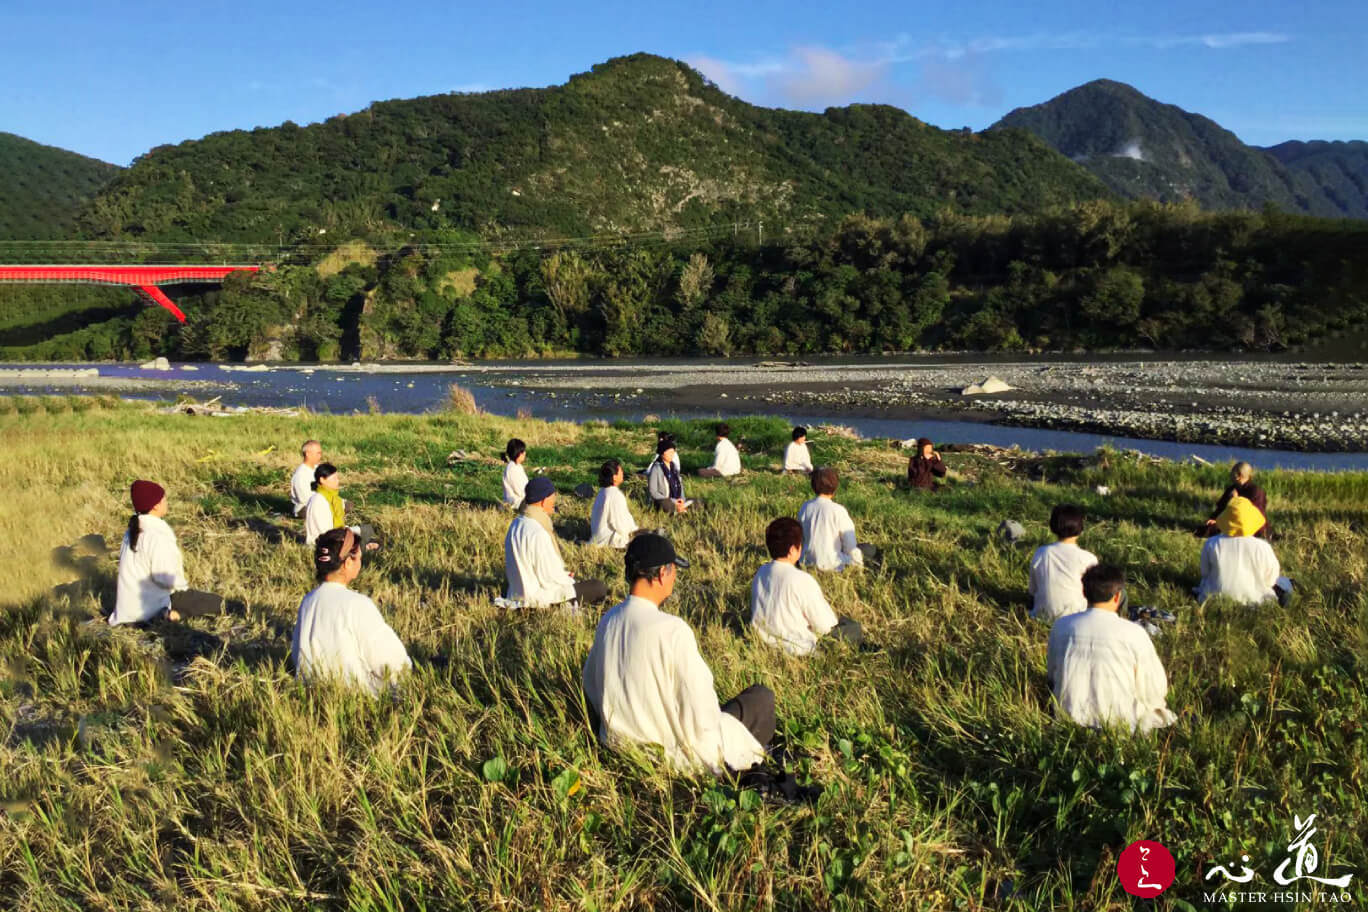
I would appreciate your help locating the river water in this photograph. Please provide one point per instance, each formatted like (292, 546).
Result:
(497, 389)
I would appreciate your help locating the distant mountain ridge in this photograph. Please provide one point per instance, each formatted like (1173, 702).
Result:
(1144, 149)
(42, 188)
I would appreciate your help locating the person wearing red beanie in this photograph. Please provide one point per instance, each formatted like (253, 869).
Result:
(152, 582)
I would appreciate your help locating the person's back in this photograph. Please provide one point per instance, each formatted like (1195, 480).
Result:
(610, 519)
(532, 562)
(1056, 574)
(300, 491)
(147, 573)
(788, 609)
(726, 460)
(340, 634)
(514, 484)
(797, 458)
(1243, 568)
(828, 535)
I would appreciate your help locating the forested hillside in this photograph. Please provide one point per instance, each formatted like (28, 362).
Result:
(42, 188)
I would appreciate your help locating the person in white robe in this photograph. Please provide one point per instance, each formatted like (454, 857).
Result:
(829, 541)
(1056, 570)
(151, 583)
(537, 577)
(610, 519)
(1237, 564)
(788, 609)
(796, 455)
(645, 682)
(1102, 668)
(340, 634)
(301, 482)
(726, 460)
(514, 475)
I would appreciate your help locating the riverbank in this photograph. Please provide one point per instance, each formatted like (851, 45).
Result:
(188, 766)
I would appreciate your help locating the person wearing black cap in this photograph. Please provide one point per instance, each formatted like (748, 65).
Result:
(340, 634)
(663, 481)
(646, 683)
(151, 580)
(536, 572)
(924, 468)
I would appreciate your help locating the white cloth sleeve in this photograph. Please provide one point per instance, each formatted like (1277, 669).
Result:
(548, 560)
(1151, 689)
(817, 611)
(164, 560)
(381, 649)
(849, 545)
(699, 710)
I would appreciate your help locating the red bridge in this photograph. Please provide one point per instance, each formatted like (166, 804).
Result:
(145, 279)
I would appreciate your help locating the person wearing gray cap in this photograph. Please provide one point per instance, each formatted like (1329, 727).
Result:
(536, 572)
(646, 683)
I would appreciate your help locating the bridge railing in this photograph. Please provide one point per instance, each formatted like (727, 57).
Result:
(129, 252)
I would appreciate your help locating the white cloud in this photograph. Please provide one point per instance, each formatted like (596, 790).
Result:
(472, 88)
(823, 76)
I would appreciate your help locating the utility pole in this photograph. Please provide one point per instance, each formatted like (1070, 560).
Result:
(762, 234)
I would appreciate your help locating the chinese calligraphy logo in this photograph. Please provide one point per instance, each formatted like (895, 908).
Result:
(1145, 868)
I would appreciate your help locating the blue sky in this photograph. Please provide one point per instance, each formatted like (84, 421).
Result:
(113, 80)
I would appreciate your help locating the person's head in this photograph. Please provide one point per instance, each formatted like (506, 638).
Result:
(665, 449)
(610, 474)
(924, 447)
(825, 480)
(800, 435)
(1066, 521)
(1241, 473)
(311, 452)
(1103, 584)
(650, 567)
(1240, 518)
(149, 498)
(326, 476)
(516, 451)
(784, 539)
(337, 556)
(540, 492)
(723, 430)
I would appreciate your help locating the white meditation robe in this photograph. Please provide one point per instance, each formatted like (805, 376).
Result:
(340, 634)
(797, 458)
(1243, 569)
(1056, 580)
(649, 684)
(610, 520)
(1103, 670)
(726, 460)
(148, 574)
(828, 536)
(536, 574)
(514, 484)
(318, 518)
(788, 609)
(301, 488)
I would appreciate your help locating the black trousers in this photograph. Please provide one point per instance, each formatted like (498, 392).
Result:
(189, 603)
(709, 473)
(591, 591)
(754, 708)
(847, 629)
(869, 551)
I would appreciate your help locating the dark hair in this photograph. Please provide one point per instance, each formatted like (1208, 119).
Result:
(799, 432)
(723, 430)
(825, 480)
(134, 530)
(514, 449)
(323, 470)
(665, 444)
(633, 573)
(783, 535)
(328, 556)
(1102, 582)
(607, 471)
(1066, 520)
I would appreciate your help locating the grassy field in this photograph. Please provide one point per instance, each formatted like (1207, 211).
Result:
(140, 771)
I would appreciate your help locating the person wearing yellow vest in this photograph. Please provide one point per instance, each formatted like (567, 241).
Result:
(1236, 564)
(327, 510)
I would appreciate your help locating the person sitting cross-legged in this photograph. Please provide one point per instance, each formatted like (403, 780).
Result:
(1102, 668)
(537, 577)
(340, 634)
(663, 481)
(1241, 485)
(788, 609)
(828, 531)
(645, 682)
(924, 468)
(610, 519)
(151, 579)
(1237, 564)
(726, 460)
(301, 482)
(796, 455)
(514, 475)
(327, 510)
(1056, 581)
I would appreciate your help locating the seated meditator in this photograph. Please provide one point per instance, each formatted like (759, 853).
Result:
(301, 482)
(1241, 485)
(151, 581)
(796, 455)
(666, 437)
(828, 532)
(340, 634)
(663, 481)
(788, 609)
(1238, 565)
(327, 510)
(1056, 582)
(646, 684)
(726, 460)
(514, 475)
(610, 520)
(1102, 667)
(924, 468)
(537, 577)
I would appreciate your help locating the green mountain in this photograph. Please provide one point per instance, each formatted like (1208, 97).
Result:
(639, 144)
(1340, 169)
(1144, 149)
(42, 188)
